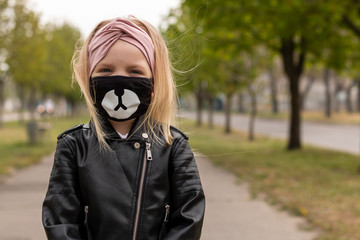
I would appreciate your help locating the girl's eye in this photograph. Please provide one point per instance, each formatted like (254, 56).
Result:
(105, 70)
(136, 72)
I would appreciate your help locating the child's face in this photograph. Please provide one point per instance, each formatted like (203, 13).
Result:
(123, 59)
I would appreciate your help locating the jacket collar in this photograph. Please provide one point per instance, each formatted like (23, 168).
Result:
(136, 132)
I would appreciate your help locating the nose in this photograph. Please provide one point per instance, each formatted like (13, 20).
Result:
(121, 72)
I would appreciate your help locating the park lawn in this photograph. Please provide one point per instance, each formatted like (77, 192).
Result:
(16, 153)
(321, 185)
(318, 116)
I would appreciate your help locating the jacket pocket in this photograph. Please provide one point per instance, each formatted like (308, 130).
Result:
(166, 219)
(86, 223)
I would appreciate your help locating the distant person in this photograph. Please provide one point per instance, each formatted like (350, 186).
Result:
(127, 174)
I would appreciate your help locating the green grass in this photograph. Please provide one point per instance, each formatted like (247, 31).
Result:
(321, 185)
(15, 151)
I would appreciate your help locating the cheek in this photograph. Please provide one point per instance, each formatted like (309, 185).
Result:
(152, 95)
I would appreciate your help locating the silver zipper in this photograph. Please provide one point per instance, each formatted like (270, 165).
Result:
(148, 151)
(86, 209)
(167, 211)
(166, 219)
(147, 157)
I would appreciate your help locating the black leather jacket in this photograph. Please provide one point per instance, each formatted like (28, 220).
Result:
(140, 190)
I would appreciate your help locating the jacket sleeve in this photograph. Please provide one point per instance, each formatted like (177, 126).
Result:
(62, 213)
(187, 197)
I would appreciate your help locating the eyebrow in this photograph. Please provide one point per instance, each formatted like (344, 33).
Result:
(140, 66)
(133, 65)
(103, 64)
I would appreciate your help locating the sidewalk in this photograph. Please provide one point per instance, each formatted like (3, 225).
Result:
(21, 198)
(230, 212)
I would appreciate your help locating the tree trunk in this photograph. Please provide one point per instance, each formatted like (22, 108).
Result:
(306, 91)
(22, 98)
(273, 89)
(211, 111)
(199, 105)
(241, 106)
(327, 93)
(348, 101)
(72, 104)
(294, 141)
(253, 112)
(228, 113)
(293, 69)
(358, 95)
(2, 101)
(32, 104)
(337, 90)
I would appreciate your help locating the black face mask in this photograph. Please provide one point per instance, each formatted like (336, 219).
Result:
(121, 98)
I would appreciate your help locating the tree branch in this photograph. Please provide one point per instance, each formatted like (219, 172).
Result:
(351, 25)
(261, 40)
(301, 62)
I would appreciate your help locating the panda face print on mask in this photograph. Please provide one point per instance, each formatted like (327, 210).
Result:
(121, 98)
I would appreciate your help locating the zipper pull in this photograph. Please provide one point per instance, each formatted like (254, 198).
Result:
(148, 152)
(166, 219)
(167, 212)
(86, 209)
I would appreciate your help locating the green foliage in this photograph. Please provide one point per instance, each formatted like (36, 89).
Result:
(294, 29)
(209, 39)
(228, 28)
(26, 50)
(60, 45)
(4, 20)
(39, 57)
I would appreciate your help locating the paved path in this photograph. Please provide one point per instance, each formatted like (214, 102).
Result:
(230, 214)
(334, 136)
(21, 198)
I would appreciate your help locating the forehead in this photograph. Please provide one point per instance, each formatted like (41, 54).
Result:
(123, 49)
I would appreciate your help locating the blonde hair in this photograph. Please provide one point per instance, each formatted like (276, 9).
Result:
(162, 108)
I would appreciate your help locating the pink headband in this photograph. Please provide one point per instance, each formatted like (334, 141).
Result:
(120, 29)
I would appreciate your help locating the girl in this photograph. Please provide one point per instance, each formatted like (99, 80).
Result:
(127, 174)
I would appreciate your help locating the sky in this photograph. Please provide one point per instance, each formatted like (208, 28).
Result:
(86, 14)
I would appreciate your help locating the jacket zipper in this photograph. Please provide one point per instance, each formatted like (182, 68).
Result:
(86, 210)
(167, 211)
(166, 219)
(147, 157)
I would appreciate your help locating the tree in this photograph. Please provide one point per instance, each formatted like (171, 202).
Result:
(218, 67)
(274, 92)
(60, 44)
(4, 21)
(327, 93)
(351, 21)
(182, 34)
(27, 53)
(293, 29)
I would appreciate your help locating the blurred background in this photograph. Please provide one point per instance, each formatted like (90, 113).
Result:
(269, 90)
